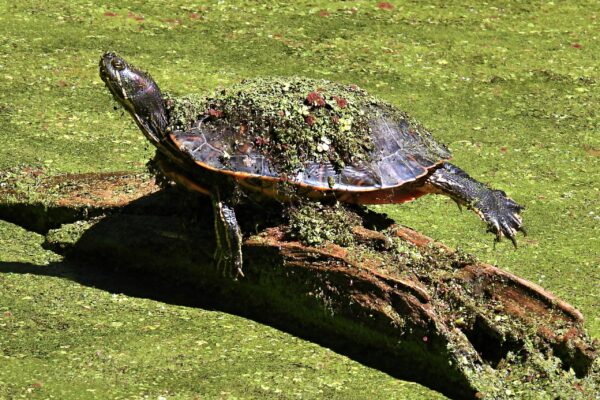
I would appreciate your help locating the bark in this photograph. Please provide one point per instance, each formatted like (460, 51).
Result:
(433, 316)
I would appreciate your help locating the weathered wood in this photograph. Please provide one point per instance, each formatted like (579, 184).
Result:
(437, 317)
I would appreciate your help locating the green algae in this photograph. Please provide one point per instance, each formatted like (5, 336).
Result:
(64, 238)
(315, 223)
(510, 86)
(530, 375)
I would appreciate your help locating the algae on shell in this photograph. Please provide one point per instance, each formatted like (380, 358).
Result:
(293, 120)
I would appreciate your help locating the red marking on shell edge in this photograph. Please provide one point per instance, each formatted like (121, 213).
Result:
(315, 99)
(384, 5)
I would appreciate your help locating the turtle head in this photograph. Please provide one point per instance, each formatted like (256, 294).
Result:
(137, 92)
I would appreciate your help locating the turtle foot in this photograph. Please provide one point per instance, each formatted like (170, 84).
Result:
(228, 254)
(502, 215)
(228, 262)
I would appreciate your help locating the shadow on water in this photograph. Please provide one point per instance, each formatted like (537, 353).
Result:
(113, 281)
(153, 249)
(154, 287)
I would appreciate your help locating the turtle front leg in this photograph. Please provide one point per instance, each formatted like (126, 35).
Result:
(501, 213)
(228, 253)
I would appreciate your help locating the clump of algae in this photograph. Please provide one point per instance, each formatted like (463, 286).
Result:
(534, 375)
(293, 120)
(64, 238)
(315, 223)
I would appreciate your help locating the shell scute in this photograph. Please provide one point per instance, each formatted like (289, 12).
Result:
(401, 150)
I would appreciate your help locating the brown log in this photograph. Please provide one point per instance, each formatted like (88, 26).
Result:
(440, 318)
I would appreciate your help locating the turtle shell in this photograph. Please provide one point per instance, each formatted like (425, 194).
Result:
(395, 149)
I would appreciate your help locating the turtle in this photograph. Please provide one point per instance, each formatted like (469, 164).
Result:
(313, 140)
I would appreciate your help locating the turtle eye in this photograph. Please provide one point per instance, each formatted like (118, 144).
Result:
(117, 64)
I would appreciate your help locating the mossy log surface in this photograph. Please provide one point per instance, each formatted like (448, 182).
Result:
(445, 320)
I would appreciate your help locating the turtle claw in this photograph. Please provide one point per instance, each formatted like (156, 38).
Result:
(514, 241)
(229, 264)
(458, 205)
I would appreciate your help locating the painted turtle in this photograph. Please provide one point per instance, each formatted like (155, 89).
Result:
(323, 140)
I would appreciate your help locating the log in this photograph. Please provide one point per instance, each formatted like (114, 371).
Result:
(424, 313)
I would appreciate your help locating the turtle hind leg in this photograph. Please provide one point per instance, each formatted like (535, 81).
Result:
(228, 254)
(501, 213)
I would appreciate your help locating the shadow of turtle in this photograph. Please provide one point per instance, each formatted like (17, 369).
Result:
(160, 247)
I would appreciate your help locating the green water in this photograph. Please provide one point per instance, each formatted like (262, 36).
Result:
(510, 86)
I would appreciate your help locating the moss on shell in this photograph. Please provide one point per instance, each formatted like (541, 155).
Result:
(293, 120)
(184, 111)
